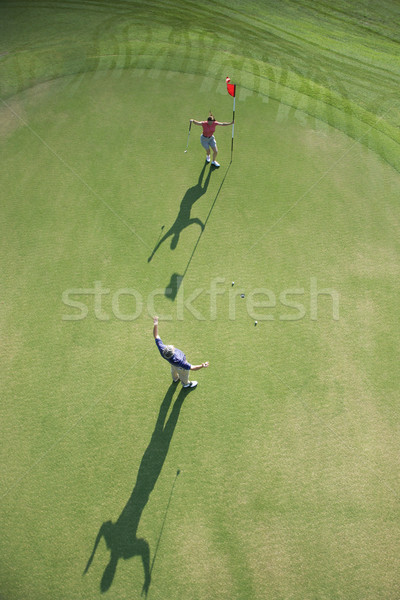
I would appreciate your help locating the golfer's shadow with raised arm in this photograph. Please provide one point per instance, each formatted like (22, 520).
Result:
(183, 218)
(121, 537)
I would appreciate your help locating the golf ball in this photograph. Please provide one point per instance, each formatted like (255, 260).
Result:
(233, 283)
(255, 322)
(242, 295)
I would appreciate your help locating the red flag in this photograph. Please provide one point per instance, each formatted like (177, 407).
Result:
(231, 87)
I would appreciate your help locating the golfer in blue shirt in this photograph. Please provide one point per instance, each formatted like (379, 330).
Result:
(179, 365)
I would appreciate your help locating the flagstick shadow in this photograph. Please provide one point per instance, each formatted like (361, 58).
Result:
(175, 282)
(206, 221)
(184, 219)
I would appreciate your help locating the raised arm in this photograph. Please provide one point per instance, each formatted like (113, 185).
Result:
(225, 124)
(155, 327)
(96, 543)
(195, 122)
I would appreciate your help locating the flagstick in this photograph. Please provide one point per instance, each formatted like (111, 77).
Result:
(233, 124)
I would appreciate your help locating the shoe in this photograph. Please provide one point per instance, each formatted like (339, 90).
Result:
(208, 159)
(191, 384)
(214, 162)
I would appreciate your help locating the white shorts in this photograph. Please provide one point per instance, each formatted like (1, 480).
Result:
(183, 374)
(207, 143)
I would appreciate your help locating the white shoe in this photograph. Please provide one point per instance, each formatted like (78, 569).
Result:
(214, 162)
(208, 159)
(191, 384)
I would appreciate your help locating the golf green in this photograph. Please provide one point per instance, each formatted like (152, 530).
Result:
(277, 477)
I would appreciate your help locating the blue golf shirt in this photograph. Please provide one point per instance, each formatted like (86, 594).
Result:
(177, 360)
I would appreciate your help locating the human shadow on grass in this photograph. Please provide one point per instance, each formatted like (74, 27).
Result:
(121, 537)
(183, 218)
(174, 284)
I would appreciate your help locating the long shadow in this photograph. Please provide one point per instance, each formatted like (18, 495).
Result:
(183, 218)
(121, 537)
(173, 286)
(206, 221)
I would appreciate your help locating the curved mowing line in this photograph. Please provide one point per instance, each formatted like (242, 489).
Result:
(264, 55)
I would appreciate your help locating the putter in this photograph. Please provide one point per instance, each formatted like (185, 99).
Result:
(187, 145)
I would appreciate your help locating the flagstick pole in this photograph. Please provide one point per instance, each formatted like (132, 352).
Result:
(233, 124)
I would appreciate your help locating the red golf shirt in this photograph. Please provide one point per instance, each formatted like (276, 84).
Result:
(209, 127)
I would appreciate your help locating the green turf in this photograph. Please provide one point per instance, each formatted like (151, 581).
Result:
(288, 449)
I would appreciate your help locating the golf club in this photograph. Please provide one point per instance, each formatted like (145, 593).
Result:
(187, 145)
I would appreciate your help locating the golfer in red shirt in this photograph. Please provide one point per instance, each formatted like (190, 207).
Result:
(207, 138)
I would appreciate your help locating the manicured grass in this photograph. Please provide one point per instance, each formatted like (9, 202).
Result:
(287, 450)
